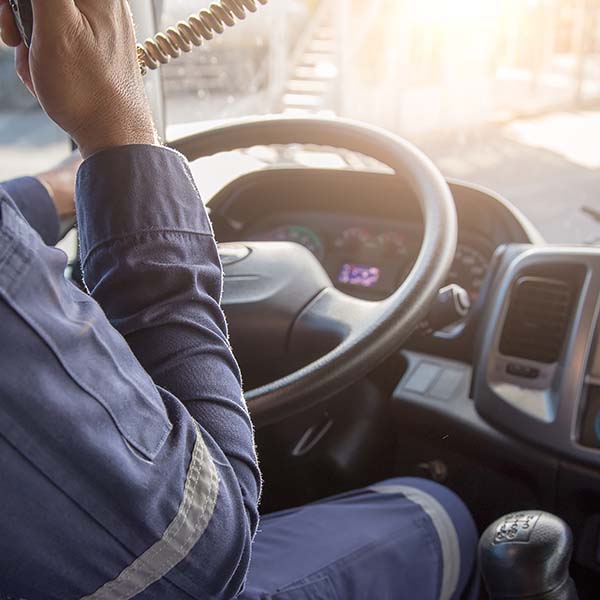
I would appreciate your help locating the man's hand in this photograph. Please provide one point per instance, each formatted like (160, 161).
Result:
(82, 67)
(60, 183)
(8, 27)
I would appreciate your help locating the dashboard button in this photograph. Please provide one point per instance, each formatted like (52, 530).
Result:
(525, 371)
(447, 384)
(421, 379)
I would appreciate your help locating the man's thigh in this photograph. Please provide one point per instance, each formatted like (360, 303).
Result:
(401, 539)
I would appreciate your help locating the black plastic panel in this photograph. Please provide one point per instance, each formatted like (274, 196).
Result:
(493, 472)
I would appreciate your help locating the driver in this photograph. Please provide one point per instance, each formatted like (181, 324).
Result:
(127, 461)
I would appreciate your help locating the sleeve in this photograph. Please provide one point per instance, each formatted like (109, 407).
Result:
(35, 204)
(150, 260)
(126, 449)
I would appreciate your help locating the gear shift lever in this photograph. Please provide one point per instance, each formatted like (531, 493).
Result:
(527, 555)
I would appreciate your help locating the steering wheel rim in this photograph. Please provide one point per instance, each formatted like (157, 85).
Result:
(393, 319)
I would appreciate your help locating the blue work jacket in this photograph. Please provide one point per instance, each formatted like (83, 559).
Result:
(127, 463)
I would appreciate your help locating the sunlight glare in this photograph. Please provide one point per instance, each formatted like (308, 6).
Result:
(452, 12)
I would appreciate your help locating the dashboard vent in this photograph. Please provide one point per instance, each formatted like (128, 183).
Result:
(537, 319)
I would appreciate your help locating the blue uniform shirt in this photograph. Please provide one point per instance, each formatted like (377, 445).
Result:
(127, 461)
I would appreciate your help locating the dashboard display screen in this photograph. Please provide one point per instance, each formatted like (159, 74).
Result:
(359, 275)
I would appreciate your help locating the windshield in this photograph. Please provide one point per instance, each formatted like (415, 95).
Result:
(504, 93)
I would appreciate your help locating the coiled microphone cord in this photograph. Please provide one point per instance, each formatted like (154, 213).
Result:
(199, 27)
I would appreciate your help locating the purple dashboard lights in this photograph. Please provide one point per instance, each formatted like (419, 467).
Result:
(360, 275)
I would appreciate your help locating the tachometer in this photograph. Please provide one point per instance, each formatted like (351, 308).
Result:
(469, 269)
(301, 235)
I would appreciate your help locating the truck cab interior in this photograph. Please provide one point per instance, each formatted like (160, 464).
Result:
(499, 401)
(393, 321)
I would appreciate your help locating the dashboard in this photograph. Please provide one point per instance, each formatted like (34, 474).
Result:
(535, 420)
(366, 229)
(368, 257)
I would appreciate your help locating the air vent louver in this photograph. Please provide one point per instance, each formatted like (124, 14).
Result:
(537, 319)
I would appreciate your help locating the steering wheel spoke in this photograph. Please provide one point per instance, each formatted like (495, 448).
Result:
(328, 320)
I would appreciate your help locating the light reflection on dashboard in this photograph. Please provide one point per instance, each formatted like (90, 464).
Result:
(370, 261)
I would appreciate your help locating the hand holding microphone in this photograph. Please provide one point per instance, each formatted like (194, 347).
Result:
(82, 67)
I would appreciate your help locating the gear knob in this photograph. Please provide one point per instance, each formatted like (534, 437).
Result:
(527, 555)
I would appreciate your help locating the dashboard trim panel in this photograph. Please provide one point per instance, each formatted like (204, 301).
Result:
(552, 415)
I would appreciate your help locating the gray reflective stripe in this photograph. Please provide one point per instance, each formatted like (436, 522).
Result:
(196, 509)
(445, 530)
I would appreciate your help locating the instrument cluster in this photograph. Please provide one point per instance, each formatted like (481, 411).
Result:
(371, 260)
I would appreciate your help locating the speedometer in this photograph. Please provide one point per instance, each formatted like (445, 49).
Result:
(469, 269)
(300, 235)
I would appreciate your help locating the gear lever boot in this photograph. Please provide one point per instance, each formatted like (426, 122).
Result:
(527, 555)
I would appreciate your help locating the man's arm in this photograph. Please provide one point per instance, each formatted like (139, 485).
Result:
(46, 198)
(150, 260)
(193, 326)
(125, 476)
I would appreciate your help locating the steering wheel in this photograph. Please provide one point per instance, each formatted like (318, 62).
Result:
(282, 300)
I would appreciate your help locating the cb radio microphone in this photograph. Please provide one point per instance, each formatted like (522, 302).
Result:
(24, 18)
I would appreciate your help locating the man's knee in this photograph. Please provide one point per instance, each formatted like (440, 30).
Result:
(452, 522)
(429, 494)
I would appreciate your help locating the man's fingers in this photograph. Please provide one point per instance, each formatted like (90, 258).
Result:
(8, 28)
(54, 14)
(11, 37)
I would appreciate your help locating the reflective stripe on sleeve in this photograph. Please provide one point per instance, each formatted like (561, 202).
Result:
(180, 537)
